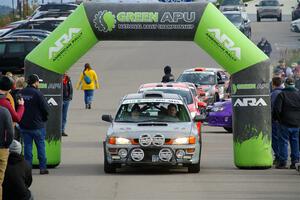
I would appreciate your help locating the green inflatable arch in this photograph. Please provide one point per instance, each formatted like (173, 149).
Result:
(199, 22)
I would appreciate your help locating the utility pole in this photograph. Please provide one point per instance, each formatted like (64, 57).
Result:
(13, 7)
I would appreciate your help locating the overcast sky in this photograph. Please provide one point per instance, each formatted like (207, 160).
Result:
(9, 2)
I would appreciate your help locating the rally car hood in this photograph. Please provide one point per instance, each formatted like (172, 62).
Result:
(169, 130)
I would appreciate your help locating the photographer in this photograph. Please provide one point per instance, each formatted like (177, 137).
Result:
(19, 85)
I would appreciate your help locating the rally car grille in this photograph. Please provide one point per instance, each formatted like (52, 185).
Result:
(151, 155)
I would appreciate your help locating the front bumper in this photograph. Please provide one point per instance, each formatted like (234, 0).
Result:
(295, 28)
(269, 14)
(151, 155)
(216, 119)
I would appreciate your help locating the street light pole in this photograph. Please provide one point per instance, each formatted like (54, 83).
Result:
(13, 7)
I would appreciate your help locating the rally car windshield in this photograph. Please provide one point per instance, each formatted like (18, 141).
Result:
(269, 3)
(185, 94)
(234, 18)
(152, 112)
(230, 2)
(198, 78)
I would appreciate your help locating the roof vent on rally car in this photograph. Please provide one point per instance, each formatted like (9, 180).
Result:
(151, 94)
(199, 69)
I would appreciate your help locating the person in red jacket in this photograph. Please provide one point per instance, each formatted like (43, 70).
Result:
(5, 86)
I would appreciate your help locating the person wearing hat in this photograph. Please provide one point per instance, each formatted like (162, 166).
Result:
(168, 77)
(6, 137)
(285, 69)
(265, 46)
(33, 123)
(286, 111)
(5, 86)
(276, 89)
(18, 176)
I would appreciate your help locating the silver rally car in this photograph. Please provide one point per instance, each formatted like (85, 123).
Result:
(154, 129)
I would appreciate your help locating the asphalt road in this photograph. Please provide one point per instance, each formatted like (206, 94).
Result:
(122, 67)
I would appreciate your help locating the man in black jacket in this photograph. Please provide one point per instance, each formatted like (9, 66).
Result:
(265, 46)
(287, 111)
(67, 97)
(33, 122)
(6, 137)
(18, 177)
(168, 77)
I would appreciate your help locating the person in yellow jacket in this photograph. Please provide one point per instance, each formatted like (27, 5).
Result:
(89, 82)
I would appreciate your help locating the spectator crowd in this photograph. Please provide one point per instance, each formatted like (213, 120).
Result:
(285, 104)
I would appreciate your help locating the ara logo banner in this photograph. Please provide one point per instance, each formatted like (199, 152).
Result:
(252, 102)
(225, 41)
(64, 43)
(105, 21)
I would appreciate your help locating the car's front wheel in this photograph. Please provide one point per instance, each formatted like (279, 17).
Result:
(279, 18)
(109, 168)
(229, 130)
(194, 168)
(257, 17)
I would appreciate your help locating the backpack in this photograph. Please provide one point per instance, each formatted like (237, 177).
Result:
(87, 79)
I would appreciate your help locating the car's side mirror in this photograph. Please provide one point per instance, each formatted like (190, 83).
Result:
(246, 4)
(293, 7)
(282, 4)
(217, 5)
(256, 5)
(199, 118)
(107, 118)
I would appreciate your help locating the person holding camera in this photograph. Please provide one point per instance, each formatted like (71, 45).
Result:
(15, 93)
(6, 84)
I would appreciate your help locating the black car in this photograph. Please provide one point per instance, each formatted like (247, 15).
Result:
(48, 24)
(13, 51)
(41, 34)
(240, 20)
(52, 7)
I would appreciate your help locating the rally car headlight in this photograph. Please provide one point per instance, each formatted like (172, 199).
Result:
(114, 140)
(185, 140)
(122, 141)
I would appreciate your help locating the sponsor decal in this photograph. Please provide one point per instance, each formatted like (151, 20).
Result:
(252, 102)
(43, 86)
(65, 42)
(249, 86)
(107, 21)
(165, 88)
(225, 43)
(51, 86)
(54, 86)
(131, 101)
(52, 102)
